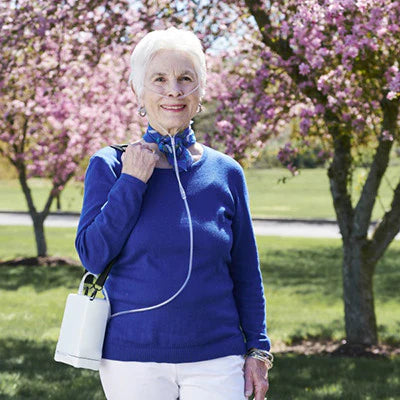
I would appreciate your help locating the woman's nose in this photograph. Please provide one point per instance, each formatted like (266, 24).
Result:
(174, 89)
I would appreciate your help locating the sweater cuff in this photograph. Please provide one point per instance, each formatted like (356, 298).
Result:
(133, 180)
(259, 344)
(127, 194)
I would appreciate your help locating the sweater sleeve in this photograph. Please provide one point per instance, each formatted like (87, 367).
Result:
(245, 270)
(111, 208)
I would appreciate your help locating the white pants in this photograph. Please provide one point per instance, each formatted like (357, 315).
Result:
(218, 379)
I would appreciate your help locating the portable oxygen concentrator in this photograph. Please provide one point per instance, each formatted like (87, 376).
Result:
(82, 331)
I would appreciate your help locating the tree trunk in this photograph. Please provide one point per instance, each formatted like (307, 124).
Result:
(37, 217)
(38, 227)
(358, 295)
(358, 268)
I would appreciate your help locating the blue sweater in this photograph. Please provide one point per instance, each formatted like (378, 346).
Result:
(221, 311)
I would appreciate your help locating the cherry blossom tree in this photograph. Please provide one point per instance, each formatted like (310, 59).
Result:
(334, 66)
(63, 74)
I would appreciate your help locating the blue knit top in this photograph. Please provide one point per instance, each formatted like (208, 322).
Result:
(221, 311)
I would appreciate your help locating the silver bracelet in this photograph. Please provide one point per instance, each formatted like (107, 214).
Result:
(263, 355)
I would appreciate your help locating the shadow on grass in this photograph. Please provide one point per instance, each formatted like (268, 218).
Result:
(324, 377)
(321, 332)
(387, 275)
(309, 270)
(42, 278)
(28, 371)
(319, 269)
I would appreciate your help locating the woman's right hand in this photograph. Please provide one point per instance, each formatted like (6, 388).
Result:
(139, 161)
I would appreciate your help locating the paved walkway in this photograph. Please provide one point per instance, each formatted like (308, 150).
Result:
(263, 227)
(22, 218)
(299, 228)
(266, 227)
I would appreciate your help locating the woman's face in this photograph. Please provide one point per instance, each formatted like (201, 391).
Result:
(170, 74)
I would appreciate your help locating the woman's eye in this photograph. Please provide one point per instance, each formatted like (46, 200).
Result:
(186, 78)
(159, 79)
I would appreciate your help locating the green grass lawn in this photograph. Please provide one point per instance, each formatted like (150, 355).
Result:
(304, 196)
(303, 290)
(12, 198)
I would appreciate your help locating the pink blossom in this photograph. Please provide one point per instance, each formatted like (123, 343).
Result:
(304, 69)
(225, 127)
(305, 124)
(386, 136)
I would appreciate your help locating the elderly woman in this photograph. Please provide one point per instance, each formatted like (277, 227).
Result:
(185, 289)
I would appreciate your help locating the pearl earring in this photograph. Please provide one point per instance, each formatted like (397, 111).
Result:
(142, 111)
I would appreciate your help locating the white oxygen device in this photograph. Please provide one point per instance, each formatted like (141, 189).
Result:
(183, 195)
(82, 330)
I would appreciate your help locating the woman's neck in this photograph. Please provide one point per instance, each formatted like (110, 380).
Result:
(166, 132)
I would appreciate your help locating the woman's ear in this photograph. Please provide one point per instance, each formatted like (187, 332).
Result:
(133, 90)
(139, 100)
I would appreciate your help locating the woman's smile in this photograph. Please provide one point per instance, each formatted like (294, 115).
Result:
(173, 107)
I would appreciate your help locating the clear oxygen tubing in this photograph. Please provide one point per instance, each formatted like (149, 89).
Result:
(183, 195)
(169, 97)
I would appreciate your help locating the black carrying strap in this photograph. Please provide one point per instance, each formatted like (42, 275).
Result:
(97, 285)
(91, 287)
(120, 147)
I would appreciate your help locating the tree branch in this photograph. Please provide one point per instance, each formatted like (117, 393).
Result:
(338, 173)
(282, 47)
(365, 205)
(279, 46)
(46, 209)
(50, 198)
(387, 229)
(21, 150)
(21, 168)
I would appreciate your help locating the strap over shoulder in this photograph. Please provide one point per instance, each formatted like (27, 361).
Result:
(120, 147)
(97, 285)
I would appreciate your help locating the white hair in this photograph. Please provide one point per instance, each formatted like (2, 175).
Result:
(169, 39)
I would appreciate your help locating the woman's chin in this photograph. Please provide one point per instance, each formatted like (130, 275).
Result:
(173, 127)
